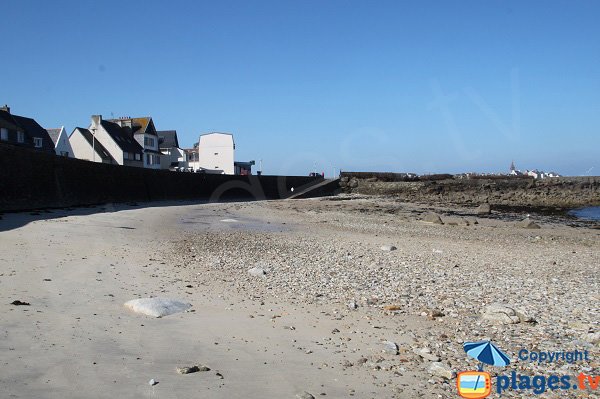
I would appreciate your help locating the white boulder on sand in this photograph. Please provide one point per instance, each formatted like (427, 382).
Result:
(157, 307)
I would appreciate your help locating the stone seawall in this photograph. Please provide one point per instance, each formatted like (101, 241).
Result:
(561, 192)
(30, 179)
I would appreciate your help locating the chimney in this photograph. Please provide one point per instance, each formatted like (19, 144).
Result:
(96, 119)
(5, 108)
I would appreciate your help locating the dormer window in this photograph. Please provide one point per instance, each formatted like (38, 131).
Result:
(37, 142)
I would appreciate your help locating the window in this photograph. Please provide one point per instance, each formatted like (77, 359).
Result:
(37, 142)
(20, 137)
(156, 159)
(148, 160)
(3, 134)
(148, 142)
(138, 157)
(64, 153)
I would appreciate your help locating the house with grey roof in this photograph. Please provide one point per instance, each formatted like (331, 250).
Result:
(173, 157)
(23, 132)
(143, 131)
(60, 138)
(115, 143)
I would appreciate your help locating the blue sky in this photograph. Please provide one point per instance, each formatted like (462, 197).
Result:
(426, 87)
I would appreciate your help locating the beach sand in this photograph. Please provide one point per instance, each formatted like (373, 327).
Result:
(317, 321)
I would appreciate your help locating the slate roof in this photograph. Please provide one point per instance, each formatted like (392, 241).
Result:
(168, 138)
(99, 148)
(54, 133)
(122, 137)
(140, 125)
(31, 128)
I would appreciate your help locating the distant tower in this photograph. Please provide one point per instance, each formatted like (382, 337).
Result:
(512, 166)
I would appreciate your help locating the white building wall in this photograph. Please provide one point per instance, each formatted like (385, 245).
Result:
(63, 144)
(215, 153)
(81, 149)
(107, 141)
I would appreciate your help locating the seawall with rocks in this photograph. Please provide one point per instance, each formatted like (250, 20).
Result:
(559, 192)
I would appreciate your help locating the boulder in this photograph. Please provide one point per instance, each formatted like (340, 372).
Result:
(434, 218)
(439, 369)
(528, 224)
(498, 313)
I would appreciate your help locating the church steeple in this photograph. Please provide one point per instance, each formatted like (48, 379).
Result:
(512, 166)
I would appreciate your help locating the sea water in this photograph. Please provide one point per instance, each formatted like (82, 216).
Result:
(589, 213)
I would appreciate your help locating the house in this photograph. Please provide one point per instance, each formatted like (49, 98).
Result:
(60, 138)
(115, 141)
(23, 131)
(191, 160)
(143, 131)
(172, 156)
(243, 168)
(215, 153)
(85, 146)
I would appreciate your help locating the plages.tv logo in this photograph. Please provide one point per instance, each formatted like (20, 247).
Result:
(478, 384)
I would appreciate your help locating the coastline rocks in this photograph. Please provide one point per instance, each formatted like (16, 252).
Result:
(432, 217)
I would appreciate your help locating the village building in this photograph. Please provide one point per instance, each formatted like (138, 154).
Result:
(60, 138)
(23, 132)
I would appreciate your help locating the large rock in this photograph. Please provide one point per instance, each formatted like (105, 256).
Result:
(434, 218)
(499, 313)
(528, 224)
(439, 369)
(483, 209)
(157, 307)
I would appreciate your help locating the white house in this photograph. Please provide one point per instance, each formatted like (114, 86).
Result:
(116, 144)
(172, 156)
(215, 153)
(60, 138)
(143, 131)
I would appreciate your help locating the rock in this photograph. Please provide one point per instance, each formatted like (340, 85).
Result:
(353, 183)
(257, 272)
(440, 370)
(352, 305)
(152, 382)
(483, 209)
(20, 303)
(528, 224)
(218, 374)
(157, 307)
(593, 338)
(390, 347)
(432, 217)
(498, 313)
(188, 370)
(388, 248)
(390, 308)
(203, 368)
(347, 363)
(426, 354)
(304, 395)
(435, 313)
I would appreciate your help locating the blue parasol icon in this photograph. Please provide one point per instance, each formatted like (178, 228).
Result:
(486, 352)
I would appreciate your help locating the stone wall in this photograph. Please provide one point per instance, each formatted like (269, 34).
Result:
(561, 192)
(30, 179)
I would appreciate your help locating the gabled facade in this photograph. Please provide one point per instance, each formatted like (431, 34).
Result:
(215, 153)
(60, 138)
(143, 131)
(118, 143)
(24, 132)
(172, 156)
(85, 146)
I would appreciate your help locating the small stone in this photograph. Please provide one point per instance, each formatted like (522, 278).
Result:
(152, 382)
(426, 354)
(352, 305)
(390, 347)
(435, 313)
(390, 308)
(440, 370)
(528, 224)
(388, 248)
(257, 272)
(347, 363)
(304, 395)
(498, 313)
(188, 370)
(20, 303)
(432, 217)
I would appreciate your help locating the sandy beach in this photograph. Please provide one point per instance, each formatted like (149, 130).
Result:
(347, 296)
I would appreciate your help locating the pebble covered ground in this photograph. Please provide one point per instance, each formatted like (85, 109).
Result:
(471, 278)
